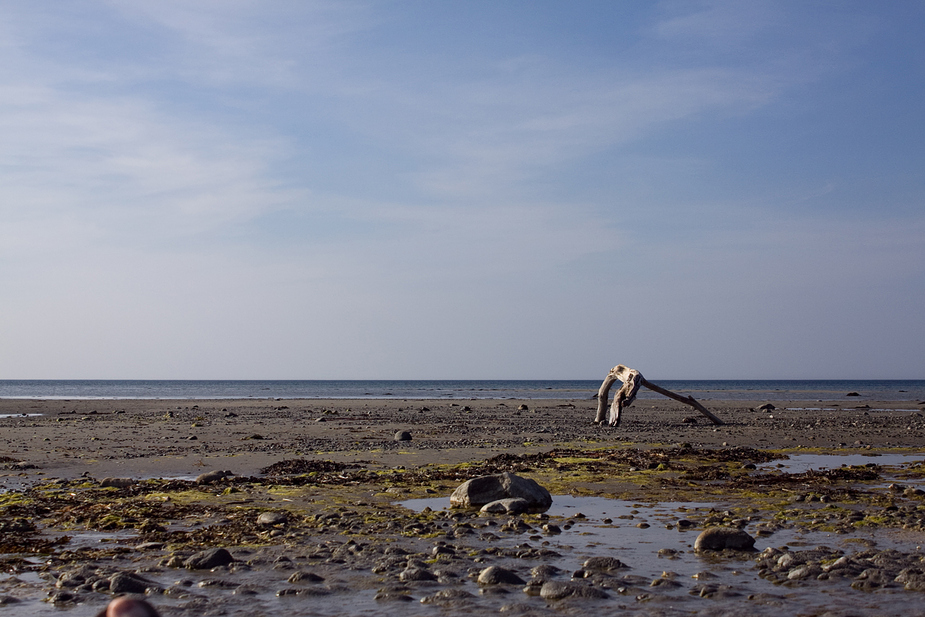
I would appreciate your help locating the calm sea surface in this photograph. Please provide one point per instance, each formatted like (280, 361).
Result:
(794, 390)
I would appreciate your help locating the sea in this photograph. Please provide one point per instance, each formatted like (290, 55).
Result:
(573, 389)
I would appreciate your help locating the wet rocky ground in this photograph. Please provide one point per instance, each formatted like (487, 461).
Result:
(344, 517)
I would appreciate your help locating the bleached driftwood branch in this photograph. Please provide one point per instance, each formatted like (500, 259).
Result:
(632, 381)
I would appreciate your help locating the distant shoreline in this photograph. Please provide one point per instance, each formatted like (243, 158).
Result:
(585, 389)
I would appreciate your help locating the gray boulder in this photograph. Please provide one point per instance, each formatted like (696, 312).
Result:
(483, 490)
(719, 538)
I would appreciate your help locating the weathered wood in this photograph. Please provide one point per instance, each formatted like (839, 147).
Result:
(625, 396)
(632, 381)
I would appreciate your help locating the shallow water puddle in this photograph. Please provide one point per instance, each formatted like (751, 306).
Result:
(664, 570)
(93, 539)
(801, 463)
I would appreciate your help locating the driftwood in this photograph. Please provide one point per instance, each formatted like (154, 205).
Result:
(632, 381)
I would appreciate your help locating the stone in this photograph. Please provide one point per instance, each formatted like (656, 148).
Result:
(559, 590)
(483, 490)
(213, 476)
(208, 559)
(448, 596)
(74, 578)
(494, 575)
(545, 570)
(767, 407)
(603, 564)
(513, 505)
(403, 436)
(268, 519)
(719, 538)
(416, 574)
(305, 577)
(124, 582)
(116, 482)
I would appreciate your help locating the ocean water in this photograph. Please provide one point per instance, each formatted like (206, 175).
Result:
(577, 389)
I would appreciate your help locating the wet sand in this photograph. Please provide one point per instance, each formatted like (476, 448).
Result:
(156, 438)
(337, 473)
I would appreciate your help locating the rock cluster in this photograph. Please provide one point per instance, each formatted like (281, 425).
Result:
(485, 490)
(868, 570)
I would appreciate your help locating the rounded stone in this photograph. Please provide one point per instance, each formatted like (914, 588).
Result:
(513, 505)
(212, 476)
(603, 564)
(558, 590)
(719, 538)
(416, 574)
(268, 519)
(122, 582)
(494, 575)
(206, 560)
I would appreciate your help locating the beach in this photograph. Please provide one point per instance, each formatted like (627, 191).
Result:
(174, 437)
(341, 473)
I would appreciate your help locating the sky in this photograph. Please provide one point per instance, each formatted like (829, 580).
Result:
(497, 189)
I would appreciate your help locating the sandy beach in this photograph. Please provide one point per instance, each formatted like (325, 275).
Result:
(338, 473)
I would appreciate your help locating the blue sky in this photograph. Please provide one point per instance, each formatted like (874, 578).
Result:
(359, 190)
